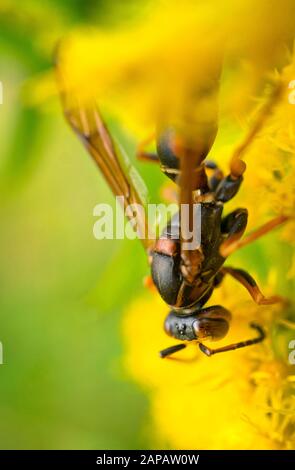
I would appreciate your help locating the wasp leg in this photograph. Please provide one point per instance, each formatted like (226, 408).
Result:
(141, 153)
(241, 344)
(228, 187)
(232, 244)
(238, 166)
(250, 284)
(171, 350)
(216, 177)
(234, 225)
(147, 157)
(210, 164)
(262, 117)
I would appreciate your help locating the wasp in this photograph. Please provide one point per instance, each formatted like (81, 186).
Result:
(185, 279)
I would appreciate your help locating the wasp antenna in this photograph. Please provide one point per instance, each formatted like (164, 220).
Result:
(171, 350)
(237, 167)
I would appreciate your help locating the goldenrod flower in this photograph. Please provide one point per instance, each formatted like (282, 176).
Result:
(237, 400)
(166, 65)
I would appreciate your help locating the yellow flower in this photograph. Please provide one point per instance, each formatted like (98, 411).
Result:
(237, 400)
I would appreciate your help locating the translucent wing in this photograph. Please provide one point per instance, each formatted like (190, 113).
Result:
(122, 178)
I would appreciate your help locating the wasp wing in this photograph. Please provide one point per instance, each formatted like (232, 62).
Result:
(121, 176)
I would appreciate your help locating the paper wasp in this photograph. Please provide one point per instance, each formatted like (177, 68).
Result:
(185, 279)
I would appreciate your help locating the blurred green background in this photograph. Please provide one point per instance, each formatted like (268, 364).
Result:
(62, 293)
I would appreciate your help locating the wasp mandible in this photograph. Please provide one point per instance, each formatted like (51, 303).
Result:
(185, 279)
